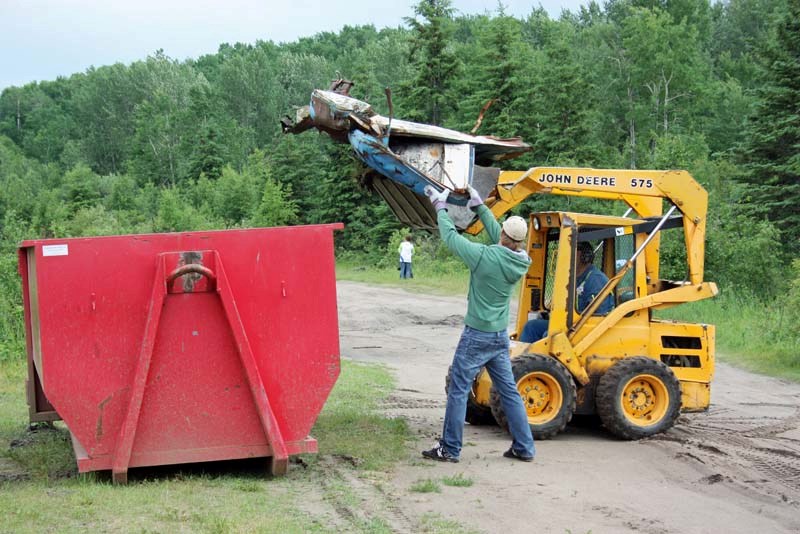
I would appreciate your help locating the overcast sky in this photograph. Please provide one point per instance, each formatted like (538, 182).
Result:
(43, 39)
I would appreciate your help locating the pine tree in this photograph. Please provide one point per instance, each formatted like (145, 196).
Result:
(562, 102)
(771, 154)
(497, 71)
(435, 64)
(208, 156)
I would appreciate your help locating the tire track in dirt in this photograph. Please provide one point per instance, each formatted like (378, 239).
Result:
(374, 501)
(638, 524)
(766, 461)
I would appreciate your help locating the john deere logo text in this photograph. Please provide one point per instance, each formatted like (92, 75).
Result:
(608, 181)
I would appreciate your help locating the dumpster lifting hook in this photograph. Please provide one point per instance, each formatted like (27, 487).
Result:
(192, 268)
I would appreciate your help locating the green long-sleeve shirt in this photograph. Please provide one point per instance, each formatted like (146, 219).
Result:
(493, 271)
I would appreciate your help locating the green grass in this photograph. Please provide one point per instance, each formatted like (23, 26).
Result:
(436, 524)
(13, 407)
(426, 485)
(350, 424)
(448, 278)
(193, 503)
(45, 454)
(40, 490)
(459, 481)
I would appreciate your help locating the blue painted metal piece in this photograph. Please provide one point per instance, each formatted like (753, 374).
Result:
(374, 153)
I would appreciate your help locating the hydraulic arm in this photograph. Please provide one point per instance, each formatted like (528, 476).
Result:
(643, 191)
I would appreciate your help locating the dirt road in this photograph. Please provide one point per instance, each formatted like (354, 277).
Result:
(733, 469)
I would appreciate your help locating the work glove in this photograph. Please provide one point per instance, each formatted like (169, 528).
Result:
(437, 198)
(475, 199)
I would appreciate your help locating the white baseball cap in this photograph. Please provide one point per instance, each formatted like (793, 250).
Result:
(515, 227)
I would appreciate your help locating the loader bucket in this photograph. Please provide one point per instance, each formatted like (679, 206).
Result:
(186, 347)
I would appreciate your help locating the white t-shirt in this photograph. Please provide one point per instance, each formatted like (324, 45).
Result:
(406, 250)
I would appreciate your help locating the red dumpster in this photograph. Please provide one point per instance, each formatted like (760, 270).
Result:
(185, 347)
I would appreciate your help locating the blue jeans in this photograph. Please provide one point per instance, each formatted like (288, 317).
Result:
(405, 270)
(477, 349)
(534, 330)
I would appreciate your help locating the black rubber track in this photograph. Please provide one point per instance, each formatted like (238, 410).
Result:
(530, 363)
(609, 393)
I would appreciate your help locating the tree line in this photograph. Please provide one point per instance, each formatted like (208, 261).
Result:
(167, 145)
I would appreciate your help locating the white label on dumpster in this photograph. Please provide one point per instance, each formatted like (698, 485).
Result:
(55, 250)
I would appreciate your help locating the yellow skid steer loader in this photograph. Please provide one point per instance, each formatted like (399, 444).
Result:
(614, 359)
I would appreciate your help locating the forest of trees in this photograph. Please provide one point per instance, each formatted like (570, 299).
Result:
(164, 145)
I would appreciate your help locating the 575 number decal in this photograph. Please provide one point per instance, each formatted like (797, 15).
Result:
(641, 183)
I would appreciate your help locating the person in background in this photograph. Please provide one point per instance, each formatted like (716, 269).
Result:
(494, 270)
(590, 280)
(406, 250)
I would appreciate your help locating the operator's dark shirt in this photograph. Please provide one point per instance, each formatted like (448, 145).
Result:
(588, 285)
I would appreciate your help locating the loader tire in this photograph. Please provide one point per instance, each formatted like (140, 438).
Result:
(638, 397)
(477, 414)
(547, 391)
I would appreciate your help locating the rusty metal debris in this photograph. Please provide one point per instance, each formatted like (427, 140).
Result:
(407, 154)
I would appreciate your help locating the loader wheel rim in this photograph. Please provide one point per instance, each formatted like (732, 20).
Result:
(542, 396)
(645, 400)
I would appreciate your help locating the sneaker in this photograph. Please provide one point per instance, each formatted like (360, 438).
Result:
(511, 453)
(439, 454)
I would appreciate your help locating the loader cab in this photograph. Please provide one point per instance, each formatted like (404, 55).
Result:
(554, 287)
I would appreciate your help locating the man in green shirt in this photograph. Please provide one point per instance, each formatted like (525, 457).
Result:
(494, 270)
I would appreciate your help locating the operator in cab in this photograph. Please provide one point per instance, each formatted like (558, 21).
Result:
(590, 280)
